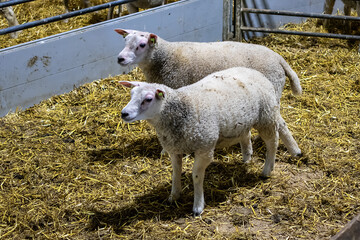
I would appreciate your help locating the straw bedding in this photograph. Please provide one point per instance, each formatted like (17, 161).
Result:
(70, 168)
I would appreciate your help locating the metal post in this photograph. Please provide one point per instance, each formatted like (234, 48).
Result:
(226, 20)
(237, 25)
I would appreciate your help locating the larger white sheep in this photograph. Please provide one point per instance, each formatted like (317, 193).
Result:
(217, 111)
(178, 64)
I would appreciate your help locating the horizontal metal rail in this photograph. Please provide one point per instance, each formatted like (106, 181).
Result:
(299, 14)
(13, 2)
(310, 34)
(62, 16)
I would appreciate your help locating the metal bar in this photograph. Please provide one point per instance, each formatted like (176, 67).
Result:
(310, 34)
(62, 16)
(237, 14)
(14, 2)
(298, 14)
(226, 20)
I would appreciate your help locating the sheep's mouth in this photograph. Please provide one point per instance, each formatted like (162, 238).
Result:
(128, 119)
(123, 64)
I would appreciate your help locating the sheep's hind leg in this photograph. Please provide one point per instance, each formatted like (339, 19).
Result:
(288, 139)
(202, 160)
(271, 139)
(176, 161)
(246, 147)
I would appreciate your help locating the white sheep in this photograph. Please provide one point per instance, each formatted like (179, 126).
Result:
(217, 111)
(178, 64)
(10, 16)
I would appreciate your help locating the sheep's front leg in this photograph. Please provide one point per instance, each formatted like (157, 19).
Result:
(202, 160)
(176, 162)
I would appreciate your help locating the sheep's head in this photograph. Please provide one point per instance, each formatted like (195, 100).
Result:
(137, 46)
(145, 101)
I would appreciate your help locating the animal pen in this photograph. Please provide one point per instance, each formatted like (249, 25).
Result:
(71, 169)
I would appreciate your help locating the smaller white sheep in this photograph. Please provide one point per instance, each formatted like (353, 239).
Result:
(217, 111)
(10, 16)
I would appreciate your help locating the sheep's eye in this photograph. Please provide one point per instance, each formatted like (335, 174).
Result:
(142, 45)
(147, 100)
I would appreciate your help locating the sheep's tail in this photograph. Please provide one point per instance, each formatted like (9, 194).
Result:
(294, 79)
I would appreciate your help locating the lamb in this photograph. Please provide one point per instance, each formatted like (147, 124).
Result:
(217, 111)
(10, 16)
(178, 64)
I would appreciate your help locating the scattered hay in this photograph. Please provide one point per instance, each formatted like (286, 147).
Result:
(70, 168)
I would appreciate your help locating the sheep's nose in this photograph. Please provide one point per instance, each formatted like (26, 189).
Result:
(120, 59)
(124, 114)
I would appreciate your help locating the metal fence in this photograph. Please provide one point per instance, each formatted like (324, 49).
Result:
(55, 18)
(234, 24)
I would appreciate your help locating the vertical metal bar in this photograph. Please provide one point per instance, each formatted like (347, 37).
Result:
(240, 21)
(237, 20)
(226, 20)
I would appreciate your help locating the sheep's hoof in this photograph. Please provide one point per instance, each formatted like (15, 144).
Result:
(198, 209)
(197, 212)
(298, 155)
(246, 158)
(173, 197)
(265, 175)
(163, 152)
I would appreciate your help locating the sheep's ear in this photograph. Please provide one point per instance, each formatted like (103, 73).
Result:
(122, 32)
(152, 39)
(160, 94)
(129, 84)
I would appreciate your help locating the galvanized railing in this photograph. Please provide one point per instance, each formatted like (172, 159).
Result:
(58, 17)
(236, 33)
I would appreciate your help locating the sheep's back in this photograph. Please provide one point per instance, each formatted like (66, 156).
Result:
(179, 64)
(216, 110)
